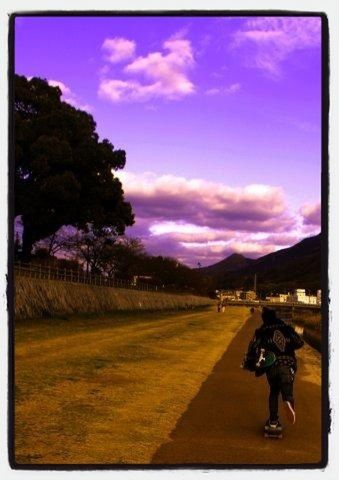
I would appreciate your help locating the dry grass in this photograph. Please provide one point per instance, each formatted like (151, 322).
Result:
(41, 298)
(312, 364)
(110, 389)
(309, 319)
(310, 324)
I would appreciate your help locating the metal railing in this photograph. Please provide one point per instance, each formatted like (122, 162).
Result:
(79, 276)
(279, 305)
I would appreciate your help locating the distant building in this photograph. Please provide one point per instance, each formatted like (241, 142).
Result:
(248, 295)
(283, 297)
(272, 298)
(280, 298)
(299, 296)
(229, 294)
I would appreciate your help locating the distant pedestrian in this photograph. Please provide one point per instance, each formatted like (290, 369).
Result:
(223, 309)
(272, 351)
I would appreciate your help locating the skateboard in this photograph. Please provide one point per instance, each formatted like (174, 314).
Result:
(273, 432)
(266, 359)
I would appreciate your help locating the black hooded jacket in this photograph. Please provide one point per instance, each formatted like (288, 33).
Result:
(276, 336)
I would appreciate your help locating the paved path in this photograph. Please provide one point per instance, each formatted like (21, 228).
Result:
(223, 423)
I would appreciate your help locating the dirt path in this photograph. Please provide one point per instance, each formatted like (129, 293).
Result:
(223, 423)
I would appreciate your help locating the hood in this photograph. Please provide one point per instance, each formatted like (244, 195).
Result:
(269, 317)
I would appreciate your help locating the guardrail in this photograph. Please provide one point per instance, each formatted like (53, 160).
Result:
(264, 303)
(79, 276)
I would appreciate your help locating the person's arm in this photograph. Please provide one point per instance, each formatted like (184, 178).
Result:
(254, 344)
(294, 339)
(250, 357)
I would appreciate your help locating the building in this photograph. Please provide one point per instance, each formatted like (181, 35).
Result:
(299, 296)
(248, 295)
(229, 294)
(283, 297)
(312, 300)
(319, 297)
(280, 298)
(272, 299)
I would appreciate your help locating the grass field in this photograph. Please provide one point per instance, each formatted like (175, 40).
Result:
(311, 326)
(310, 320)
(110, 389)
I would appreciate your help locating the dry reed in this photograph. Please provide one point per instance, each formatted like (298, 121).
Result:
(43, 298)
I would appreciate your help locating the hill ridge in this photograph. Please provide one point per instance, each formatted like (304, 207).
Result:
(297, 266)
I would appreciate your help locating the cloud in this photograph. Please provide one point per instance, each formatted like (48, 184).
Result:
(191, 248)
(267, 41)
(231, 89)
(311, 214)
(194, 219)
(213, 91)
(118, 49)
(156, 75)
(203, 203)
(197, 220)
(69, 96)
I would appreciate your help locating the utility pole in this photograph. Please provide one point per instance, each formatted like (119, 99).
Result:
(255, 283)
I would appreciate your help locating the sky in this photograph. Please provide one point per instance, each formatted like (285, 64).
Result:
(220, 118)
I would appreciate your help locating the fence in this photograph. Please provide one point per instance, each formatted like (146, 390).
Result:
(79, 276)
(275, 305)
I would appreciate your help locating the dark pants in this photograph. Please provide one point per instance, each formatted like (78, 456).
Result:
(280, 379)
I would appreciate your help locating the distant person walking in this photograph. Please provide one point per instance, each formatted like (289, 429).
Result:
(272, 351)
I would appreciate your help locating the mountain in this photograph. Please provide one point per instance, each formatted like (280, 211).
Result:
(230, 264)
(298, 266)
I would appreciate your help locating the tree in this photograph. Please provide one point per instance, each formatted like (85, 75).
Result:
(125, 258)
(57, 242)
(63, 172)
(91, 246)
(17, 246)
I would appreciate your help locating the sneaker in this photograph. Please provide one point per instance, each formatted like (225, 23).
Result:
(273, 425)
(289, 411)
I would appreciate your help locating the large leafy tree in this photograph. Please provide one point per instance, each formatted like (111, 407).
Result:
(64, 175)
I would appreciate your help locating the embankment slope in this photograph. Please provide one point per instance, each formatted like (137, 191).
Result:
(41, 298)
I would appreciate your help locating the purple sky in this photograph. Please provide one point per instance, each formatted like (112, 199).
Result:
(220, 119)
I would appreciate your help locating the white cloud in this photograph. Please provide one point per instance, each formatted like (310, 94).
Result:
(118, 49)
(156, 75)
(213, 91)
(70, 97)
(169, 198)
(230, 90)
(171, 227)
(311, 214)
(194, 219)
(273, 39)
(235, 87)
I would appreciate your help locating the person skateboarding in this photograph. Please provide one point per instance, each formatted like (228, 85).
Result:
(272, 351)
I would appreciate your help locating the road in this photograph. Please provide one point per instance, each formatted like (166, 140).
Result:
(223, 422)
